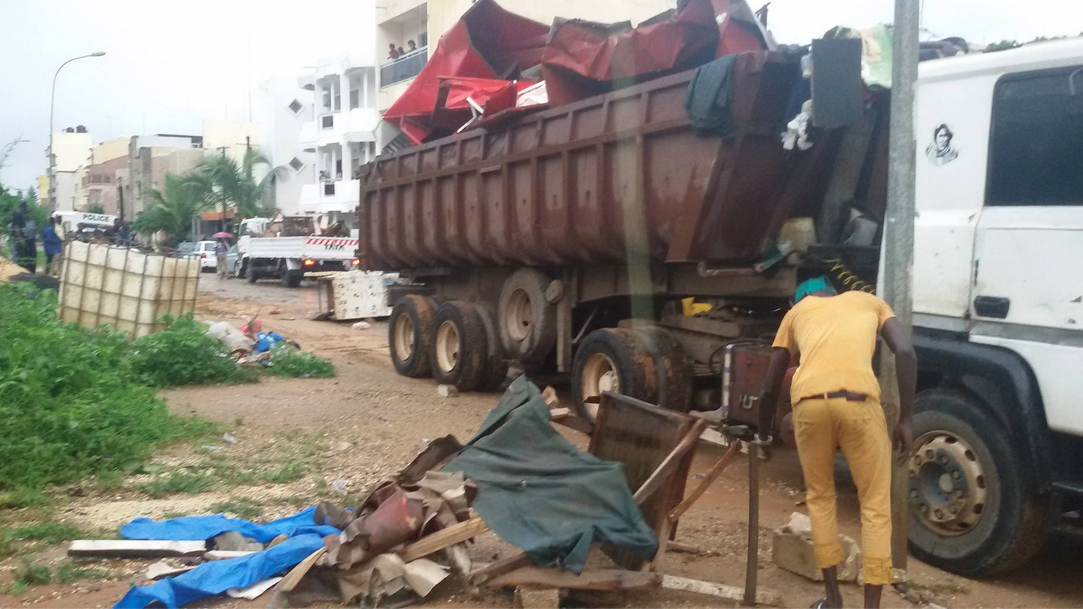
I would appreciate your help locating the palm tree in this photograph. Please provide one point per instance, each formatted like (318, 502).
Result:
(171, 209)
(225, 184)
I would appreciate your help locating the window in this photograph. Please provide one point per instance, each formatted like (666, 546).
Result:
(355, 98)
(296, 164)
(327, 122)
(295, 107)
(1037, 139)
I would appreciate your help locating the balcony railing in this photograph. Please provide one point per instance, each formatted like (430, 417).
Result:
(403, 68)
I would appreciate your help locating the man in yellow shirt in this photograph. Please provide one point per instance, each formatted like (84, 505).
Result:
(836, 404)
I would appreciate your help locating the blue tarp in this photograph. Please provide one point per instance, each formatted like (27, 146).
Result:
(217, 576)
(201, 528)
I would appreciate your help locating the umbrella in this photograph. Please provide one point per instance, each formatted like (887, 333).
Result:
(223, 235)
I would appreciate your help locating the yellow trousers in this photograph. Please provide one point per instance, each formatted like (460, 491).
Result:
(859, 429)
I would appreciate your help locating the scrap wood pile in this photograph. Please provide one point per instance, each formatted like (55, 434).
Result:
(517, 477)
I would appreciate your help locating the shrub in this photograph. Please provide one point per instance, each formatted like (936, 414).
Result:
(183, 354)
(288, 361)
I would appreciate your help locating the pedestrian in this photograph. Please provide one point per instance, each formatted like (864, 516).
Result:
(24, 238)
(53, 247)
(412, 46)
(121, 235)
(400, 52)
(836, 404)
(220, 251)
(393, 53)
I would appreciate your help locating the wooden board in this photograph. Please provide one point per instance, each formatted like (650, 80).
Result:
(130, 548)
(444, 538)
(733, 593)
(594, 579)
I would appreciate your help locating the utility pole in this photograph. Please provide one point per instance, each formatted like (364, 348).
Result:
(896, 281)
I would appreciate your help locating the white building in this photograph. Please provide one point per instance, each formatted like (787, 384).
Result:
(70, 149)
(284, 109)
(340, 135)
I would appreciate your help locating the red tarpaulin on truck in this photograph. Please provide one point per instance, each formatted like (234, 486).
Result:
(491, 95)
(486, 43)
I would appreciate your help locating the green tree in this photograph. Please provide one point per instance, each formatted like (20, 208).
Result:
(171, 209)
(224, 184)
(32, 195)
(96, 208)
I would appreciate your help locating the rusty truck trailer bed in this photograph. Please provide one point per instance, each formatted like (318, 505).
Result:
(596, 181)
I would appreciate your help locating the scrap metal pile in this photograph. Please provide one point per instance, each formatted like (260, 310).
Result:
(517, 477)
(493, 64)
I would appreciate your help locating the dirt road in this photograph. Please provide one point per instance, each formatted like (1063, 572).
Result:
(297, 441)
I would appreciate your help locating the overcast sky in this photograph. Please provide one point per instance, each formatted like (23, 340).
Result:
(169, 65)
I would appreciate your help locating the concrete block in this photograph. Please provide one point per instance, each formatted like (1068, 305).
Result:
(792, 549)
(533, 598)
(447, 391)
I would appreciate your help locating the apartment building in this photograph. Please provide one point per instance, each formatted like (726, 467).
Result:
(338, 137)
(422, 22)
(70, 149)
(150, 158)
(98, 187)
(284, 108)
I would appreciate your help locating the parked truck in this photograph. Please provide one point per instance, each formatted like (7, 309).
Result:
(607, 241)
(287, 248)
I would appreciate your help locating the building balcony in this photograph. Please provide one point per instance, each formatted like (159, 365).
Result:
(330, 196)
(355, 125)
(403, 68)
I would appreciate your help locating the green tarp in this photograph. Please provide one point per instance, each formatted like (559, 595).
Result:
(539, 492)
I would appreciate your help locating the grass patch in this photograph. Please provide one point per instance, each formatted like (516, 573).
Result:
(290, 471)
(68, 573)
(76, 402)
(289, 362)
(45, 532)
(29, 574)
(241, 507)
(22, 497)
(192, 483)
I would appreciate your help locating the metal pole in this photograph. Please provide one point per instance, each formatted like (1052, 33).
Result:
(898, 248)
(52, 107)
(752, 563)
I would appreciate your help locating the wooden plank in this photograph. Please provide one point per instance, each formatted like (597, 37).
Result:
(671, 463)
(733, 593)
(709, 479)
(565, 417)
(593, 579)
(550, 396)
(444, 538)
(663, 543)
(135, 548)
(500, 567)
(687, 548)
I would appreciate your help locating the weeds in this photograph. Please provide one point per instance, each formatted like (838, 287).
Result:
(241, 507)
(183, 354)
(70, 572)
(178, 482)
(28, 574)
(288, 361)
(45, 532)
(289, 471)
(68, 404)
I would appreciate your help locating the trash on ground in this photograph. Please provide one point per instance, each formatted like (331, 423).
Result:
(361, 325)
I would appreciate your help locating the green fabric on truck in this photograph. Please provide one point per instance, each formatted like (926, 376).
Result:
(539, 492)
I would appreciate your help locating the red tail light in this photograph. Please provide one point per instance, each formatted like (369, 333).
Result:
(355, 262)
(310, 262)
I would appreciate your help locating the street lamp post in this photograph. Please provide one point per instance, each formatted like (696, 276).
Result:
(52, 153)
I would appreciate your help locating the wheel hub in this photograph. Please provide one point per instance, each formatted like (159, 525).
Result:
(447, 347)
(520, 316)
(404, 337)
(599, 374)
(947, 486)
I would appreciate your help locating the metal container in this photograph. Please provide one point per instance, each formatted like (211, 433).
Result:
(355, 295)
(124, 288)
(589, 182)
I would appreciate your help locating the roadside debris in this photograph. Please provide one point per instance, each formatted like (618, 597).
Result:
(361, 325)
(792, 549)
(447, 391)
(229, 438)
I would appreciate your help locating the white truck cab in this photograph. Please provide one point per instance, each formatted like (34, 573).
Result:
(998, 304)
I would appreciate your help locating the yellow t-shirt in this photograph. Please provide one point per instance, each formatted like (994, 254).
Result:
(836, 337)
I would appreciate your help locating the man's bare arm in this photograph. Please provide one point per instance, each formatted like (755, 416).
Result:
(906, 370)
(772, 382)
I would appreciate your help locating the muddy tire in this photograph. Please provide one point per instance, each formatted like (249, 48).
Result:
(459, 352)
(292, 279)
(526, 320)
(251, 273)
(496, 367)
(613, 359)
(973, 509)
(671, 364)
(410, 335)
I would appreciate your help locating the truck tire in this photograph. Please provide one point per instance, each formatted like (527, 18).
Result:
(292, 279)
(410, 332)
(526, 320)
(671, 364)
(252, 275)
(496, 367)
(612, 359)
(972, 509)
(459, 352)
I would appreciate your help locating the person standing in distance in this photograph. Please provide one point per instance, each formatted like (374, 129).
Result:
(836, 404)
(50, 240)
(220, 250)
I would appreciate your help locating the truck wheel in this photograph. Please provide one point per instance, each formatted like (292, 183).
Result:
(411, 329)
(612, 359)
(496, 367)
(972, 510)
(252, 275)
(459, 352)
(526, 320)
(292, 279)
(671, 364)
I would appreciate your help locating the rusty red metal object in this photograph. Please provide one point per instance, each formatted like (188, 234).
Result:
(396, 521)
(579, 183)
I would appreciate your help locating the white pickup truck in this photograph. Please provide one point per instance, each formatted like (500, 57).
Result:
(291, 250)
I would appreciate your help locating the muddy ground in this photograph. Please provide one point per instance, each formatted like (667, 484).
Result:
(301, 441)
